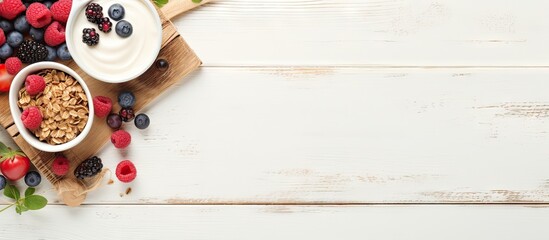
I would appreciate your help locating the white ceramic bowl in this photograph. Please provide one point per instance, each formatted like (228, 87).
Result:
(19, 82)
(131, 60)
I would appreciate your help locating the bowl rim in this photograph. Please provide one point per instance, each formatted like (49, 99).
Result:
(17, 84)
(76, 8)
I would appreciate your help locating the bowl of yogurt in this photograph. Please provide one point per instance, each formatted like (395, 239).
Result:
(115, 59)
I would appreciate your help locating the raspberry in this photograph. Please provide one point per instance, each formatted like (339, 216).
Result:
(60, 165)
(102, 106)
(125, 171)
(35, 84)
(10, 9)
(2, 37)
(55, 34)
(13, 65)
(60, 10)
(32, 118)
(38, 15)
(121, 139)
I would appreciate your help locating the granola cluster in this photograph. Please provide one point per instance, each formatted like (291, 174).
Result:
(63, 104)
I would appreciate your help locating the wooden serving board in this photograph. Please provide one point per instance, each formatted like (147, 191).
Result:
(182, 60)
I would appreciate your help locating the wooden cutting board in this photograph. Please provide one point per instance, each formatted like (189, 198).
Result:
(182, 61)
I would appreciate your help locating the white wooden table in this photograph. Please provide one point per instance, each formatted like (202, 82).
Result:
(328, 119)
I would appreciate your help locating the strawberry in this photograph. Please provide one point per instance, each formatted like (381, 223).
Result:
(5, 79)
(14, 164)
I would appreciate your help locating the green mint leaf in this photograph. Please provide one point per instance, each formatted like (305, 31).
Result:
(161, 3)
(35, 202)
(12, 192)
(197, 1)
(29, 191)
(18, 209)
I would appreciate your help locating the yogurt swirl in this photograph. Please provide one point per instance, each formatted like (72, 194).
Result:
(115, 57)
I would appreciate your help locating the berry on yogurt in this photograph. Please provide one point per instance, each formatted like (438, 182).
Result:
(124, 29)
(116, 12)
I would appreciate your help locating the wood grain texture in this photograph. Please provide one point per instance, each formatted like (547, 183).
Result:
(280, 222)
(369, 33)
(341, 135)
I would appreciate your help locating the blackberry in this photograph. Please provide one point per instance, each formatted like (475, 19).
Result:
(126, 114)
(94, 12)
(88, 168)
(30, 52)
(90, 36)
(105, 25)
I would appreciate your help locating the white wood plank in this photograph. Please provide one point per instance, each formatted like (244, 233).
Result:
(369, 32)
(322, 135)
(279, 222)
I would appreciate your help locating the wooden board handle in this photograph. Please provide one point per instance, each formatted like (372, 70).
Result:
(176, 7)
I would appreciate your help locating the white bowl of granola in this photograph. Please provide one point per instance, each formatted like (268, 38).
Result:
(65, 104)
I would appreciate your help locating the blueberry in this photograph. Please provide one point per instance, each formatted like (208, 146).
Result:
(124, 29)
(7, 26)
(32, 179)
(48, 4)
(126, 99)
(114, 121)
(116, 12)
(21, 24)
(3, 182)
(37, 34)
(52, 54)
(15, 39)
(63, 52)
(5, 51)
(142, 121)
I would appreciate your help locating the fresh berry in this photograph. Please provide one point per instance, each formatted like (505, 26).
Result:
(88, 168)
(60, 10)
(10, 9)
(114, 121)
(125, 171)
(126, 99)
(116, 12)
(15, 39)
(90, 36)
(2, 37)
(94, 12)
(55, 34)
(32, 179)
(5, 79)
(13, 65)
(126, 114)
(35, 84)
(38, 15)
(102, 106)
(5, 51)
(21, 25)
(37, 34)
(31, 52)
(105, 25)
(121, 139)
(60, 165)
(52, 54)
(63, 52)
(6, 25)
(142, 121)
(3, 182)
(124, 29)
(32, 118)
(162, 64)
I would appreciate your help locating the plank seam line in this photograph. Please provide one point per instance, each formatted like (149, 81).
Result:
(540, 204)
(371, 67)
